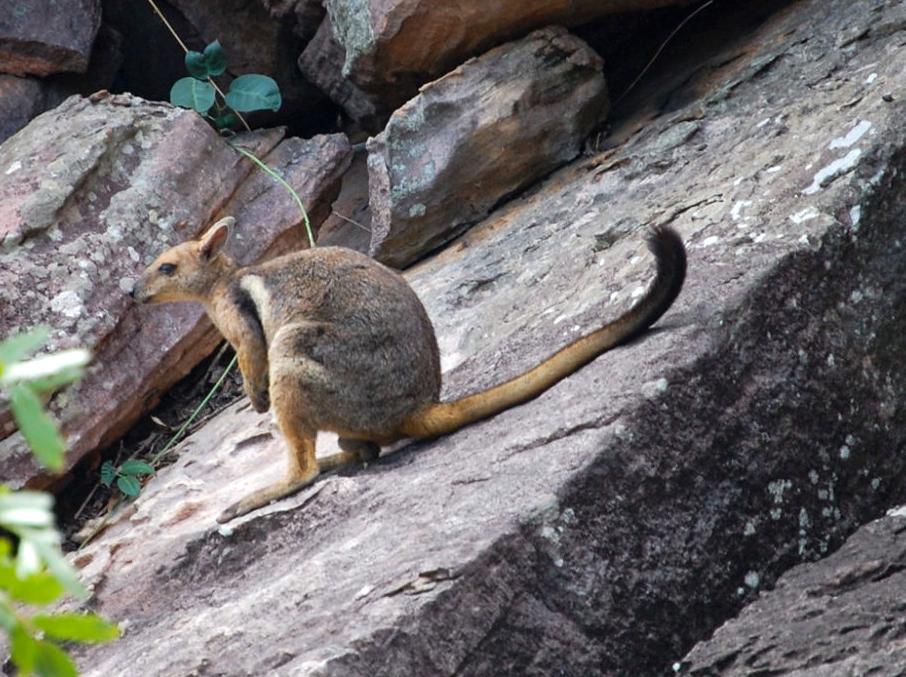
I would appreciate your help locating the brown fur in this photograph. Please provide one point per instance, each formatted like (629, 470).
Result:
(336, 341)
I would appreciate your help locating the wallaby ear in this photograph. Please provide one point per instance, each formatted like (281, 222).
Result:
(215, 237)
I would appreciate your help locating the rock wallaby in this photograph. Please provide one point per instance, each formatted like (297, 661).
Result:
(336, 341)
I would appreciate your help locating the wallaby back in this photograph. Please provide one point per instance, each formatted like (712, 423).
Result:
(445, 417)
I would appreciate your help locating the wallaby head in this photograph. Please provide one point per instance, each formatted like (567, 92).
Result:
(188, 271)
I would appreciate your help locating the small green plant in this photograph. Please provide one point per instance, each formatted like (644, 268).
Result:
(126, 475)
(36, 573)
(247, 93)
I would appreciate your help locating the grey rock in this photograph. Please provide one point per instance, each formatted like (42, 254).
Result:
(609, 525)
(494, 125)
(840, 616)
(41, 37)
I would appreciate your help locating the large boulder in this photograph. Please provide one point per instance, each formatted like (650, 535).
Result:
(613, 522)
(372, 56)
(494, 125)
(90, 193)
(41, 37)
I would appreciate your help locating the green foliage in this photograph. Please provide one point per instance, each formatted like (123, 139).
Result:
(126, 475)
(37, 573)
(247, 93)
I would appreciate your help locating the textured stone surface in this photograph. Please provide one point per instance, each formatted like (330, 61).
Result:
(494, 125)
(85, 205)
(41, 37)
(840, 616)
(349, 224)
(607, 526)
(378, 52)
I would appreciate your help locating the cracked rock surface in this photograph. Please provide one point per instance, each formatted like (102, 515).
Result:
(610, 524)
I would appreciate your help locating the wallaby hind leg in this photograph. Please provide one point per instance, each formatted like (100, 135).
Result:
(302, 466)
(354, 451)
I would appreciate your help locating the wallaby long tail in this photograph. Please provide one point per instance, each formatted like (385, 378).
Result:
(445, 417)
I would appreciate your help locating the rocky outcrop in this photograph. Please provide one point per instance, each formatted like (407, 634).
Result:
(371, 57)
(41, 38)
(840, 616)
(85, 205)
(483, 131)
(610, 524)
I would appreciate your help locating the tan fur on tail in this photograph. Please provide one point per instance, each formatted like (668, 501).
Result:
(445, 417)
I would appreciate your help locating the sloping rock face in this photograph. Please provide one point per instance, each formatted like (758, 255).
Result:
(41, 38)
(610, 524)
(494, 125)
(371, 56)
(90, 193)
(840, 616)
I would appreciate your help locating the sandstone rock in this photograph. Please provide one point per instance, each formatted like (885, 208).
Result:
(840, 616)
(607, 526)
(304, 15)
(487, 129)
(44, 37)
(23, 98)
(349, 224)
(90, 193)
(382, 50)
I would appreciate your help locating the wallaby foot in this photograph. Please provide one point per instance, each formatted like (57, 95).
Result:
(263, 497)
(354, 451)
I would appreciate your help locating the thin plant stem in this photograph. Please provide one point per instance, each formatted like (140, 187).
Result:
(186, 50)
(279, 179)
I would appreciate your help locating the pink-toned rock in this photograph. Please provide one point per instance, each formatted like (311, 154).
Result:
(40, 37)
(86, 204)
(494, 125)
(349, 223)
(385, 49)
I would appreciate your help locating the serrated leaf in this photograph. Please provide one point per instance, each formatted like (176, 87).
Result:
(23, 649)
(76, 627)
(191, 93)
(16, 347)
(36, 426)
(136, 467)
(129, 485)
(108, 473)
(215, 59)
(38, 589)
(253, 92)
(196, 65)
(52, 661)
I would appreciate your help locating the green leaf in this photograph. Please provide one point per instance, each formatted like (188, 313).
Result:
(76, 627)
(37, 427)
(16, 347)
(129, 485)
(26, 509)
(226, 120)
(60, 568)
(195, 64)
(51, 383)
(108, 473)
(215, 59)
(253, 92)
(52, 661)
(191, 93)
(135, 467)
(38, 589)
(23, 649)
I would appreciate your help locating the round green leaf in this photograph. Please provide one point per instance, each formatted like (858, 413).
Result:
(196, 64)
(135, 467)
(215, 59)
(253, 92)
(108, 473)
(38, 589)
(226, 120)
(76, 627)
(23, 649)
(191, 93)
(129, 485)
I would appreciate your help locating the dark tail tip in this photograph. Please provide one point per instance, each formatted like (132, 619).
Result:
(670, 254)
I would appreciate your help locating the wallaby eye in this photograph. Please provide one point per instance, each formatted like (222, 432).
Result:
(167, 268)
